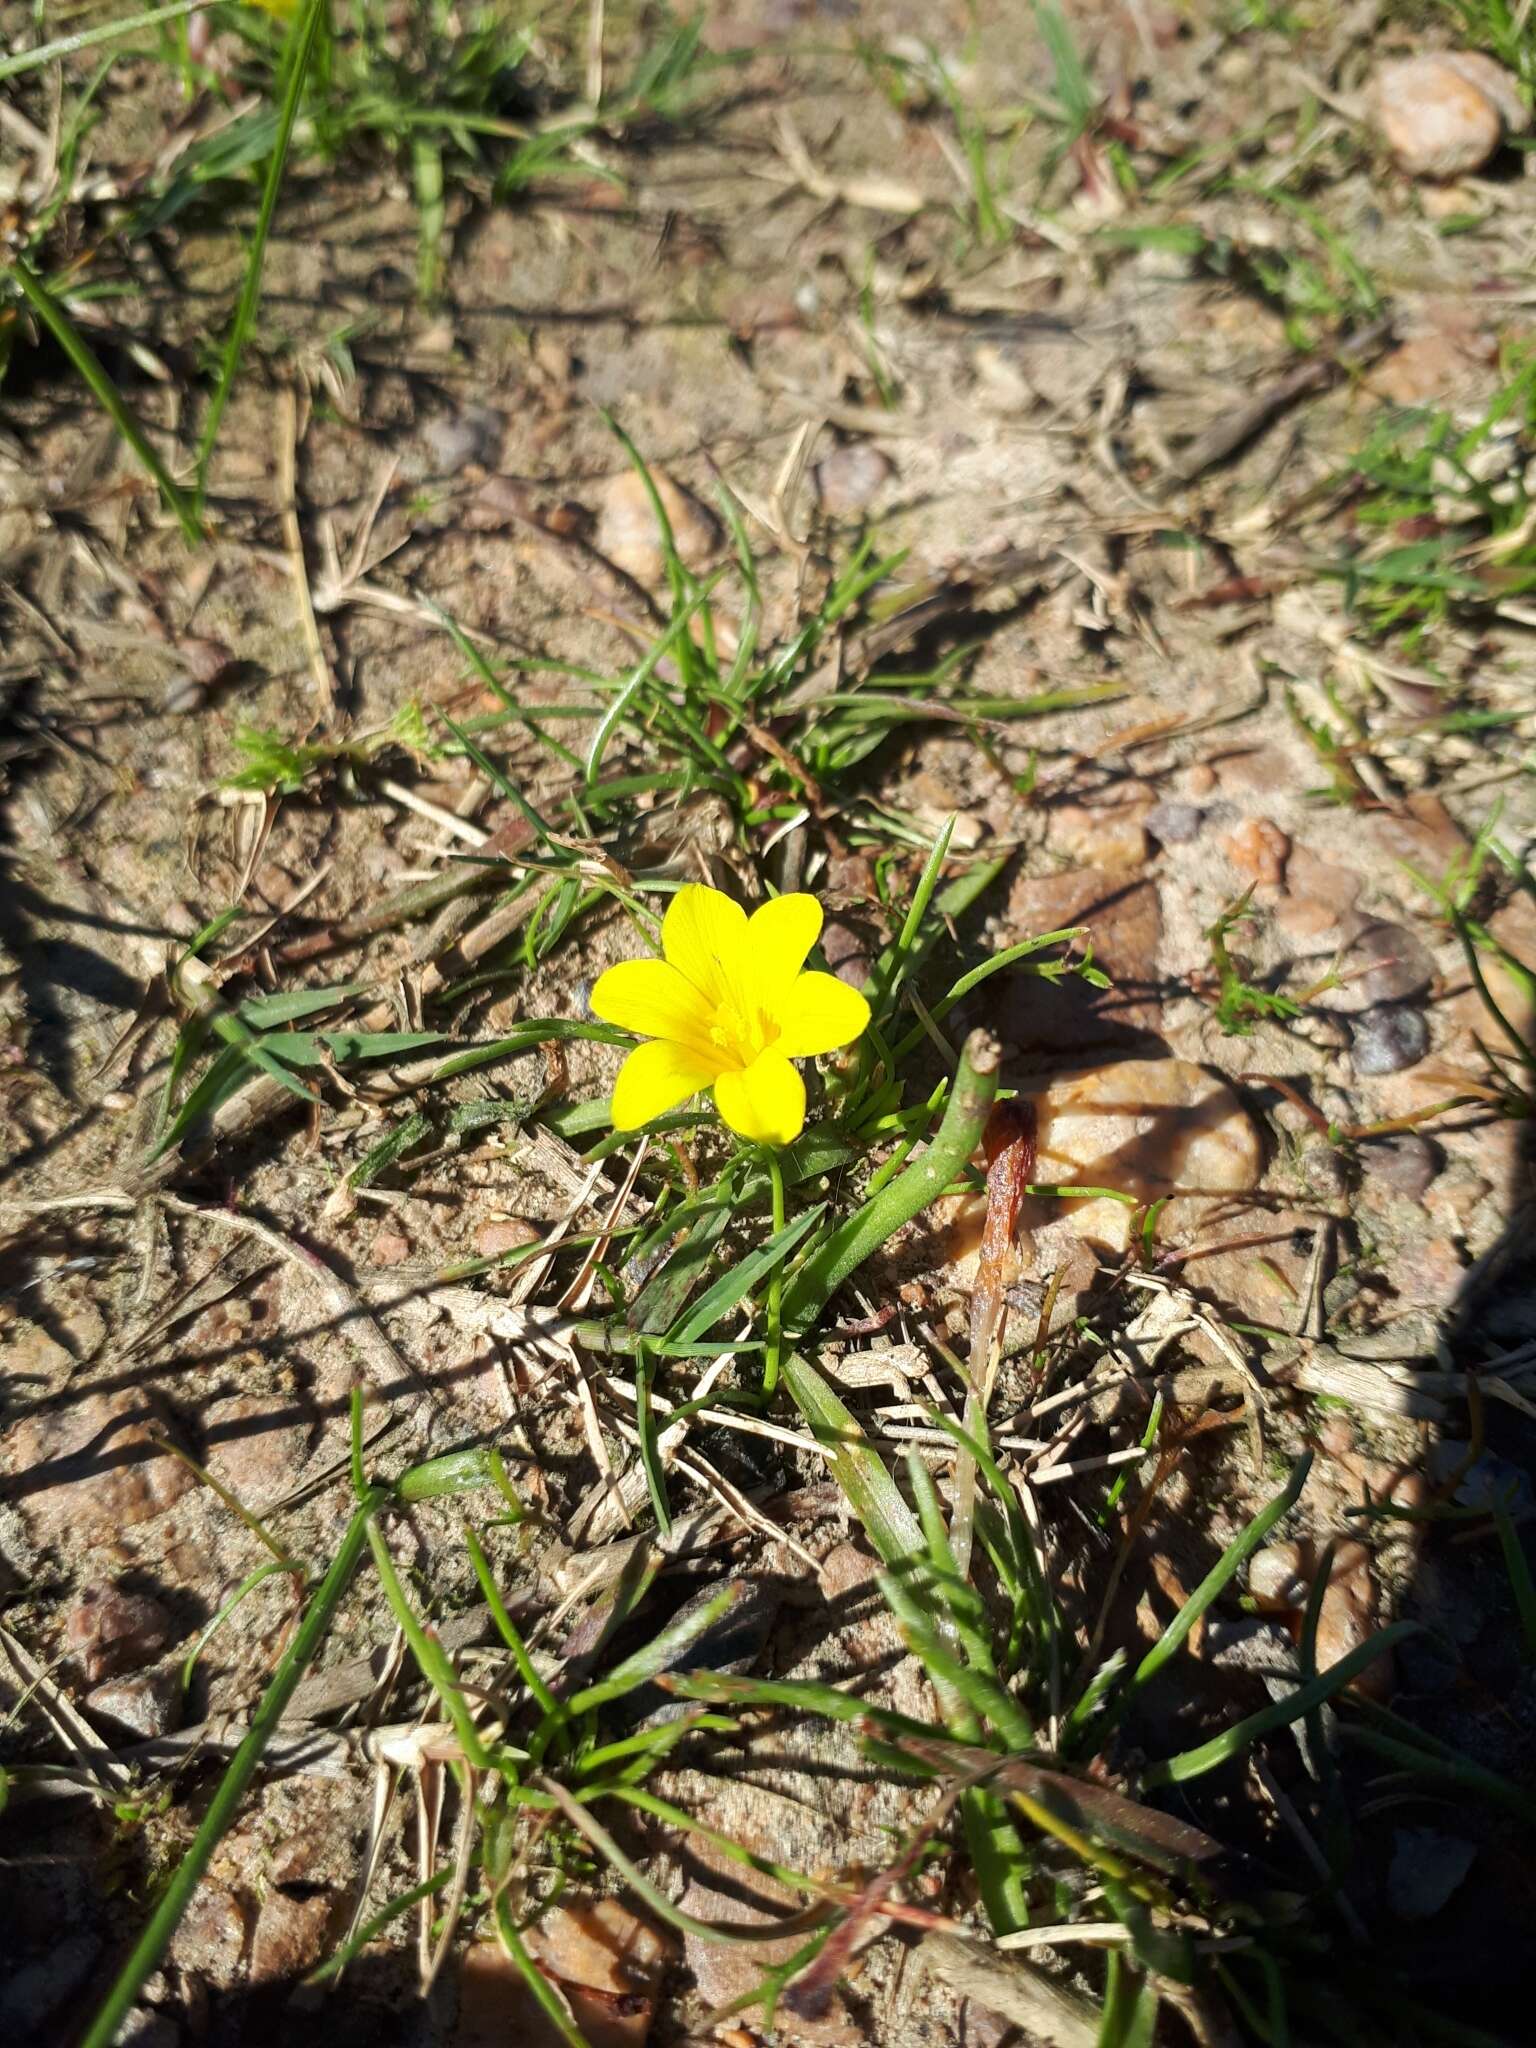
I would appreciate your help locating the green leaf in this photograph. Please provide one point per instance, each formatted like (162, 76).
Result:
(1223, 1748)
(738, 1281)
(1216, 1579)
(298, 50)
(860, 1471)
(79, 351)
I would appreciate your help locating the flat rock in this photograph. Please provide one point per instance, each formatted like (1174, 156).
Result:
(1383, 963)
(142, 1706)
(1125, 923)
(1148, 1128)
(1426, 1868)
(848, 478)
(290, 1937)
(86, 1472)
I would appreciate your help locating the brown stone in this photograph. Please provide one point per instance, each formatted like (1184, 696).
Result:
(389, 1248)
(723, 1971)
(1344, 1622)
(110, 1631)
(1319, 897)
(608, 1961)
(210, 1940)
(85, 1472)
(1281, 1574)
(628, 533)
(1125, 925)
(1420, 832)
(1469, 1018)
(848, 478)
(497, 2009)
(1147, 1128)
(1107, 836)
(290, 1938)
(504, 1234)
(1259, 849)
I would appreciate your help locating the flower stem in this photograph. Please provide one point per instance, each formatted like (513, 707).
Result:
(775, 1345)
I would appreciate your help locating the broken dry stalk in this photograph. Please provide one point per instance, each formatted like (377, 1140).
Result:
(1010, 1149)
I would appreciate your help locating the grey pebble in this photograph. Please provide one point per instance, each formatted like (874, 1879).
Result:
(1388, 1038)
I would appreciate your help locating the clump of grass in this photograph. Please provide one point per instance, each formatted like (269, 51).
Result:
(1240, 1003)
(1447, 511)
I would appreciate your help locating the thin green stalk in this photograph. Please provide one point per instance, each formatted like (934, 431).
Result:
(150, 1948)
(774, 1352)
(543, 1991)
(87, 38)
(301, 45)
(431, 1657)
(105, 392)
(868, 1228)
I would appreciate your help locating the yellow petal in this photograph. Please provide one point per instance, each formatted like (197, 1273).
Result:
(819, 1014)
(653, 999)
(766, 1101)
(779, 935)
(654, 1079)
(702, 935)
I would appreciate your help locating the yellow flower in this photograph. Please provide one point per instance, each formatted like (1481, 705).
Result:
(729, 1007)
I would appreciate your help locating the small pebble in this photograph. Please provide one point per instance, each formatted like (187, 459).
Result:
(1260, 849)
(1404, 1161)
(849, 477)
(146, 1705)
(111, 1631)
(504, 1234)
(1395, 965)
(389, 1248)
(628, 533)
(1388, 1038)
(1426, 1868)
(1445, 112)
(1172, 823)
(458, 439)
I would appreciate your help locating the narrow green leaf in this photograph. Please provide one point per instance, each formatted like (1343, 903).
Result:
(104, 391)
(298, 50)
(859, 1471)
(1223, 1748)
(1216, 1579)
(734, 1285)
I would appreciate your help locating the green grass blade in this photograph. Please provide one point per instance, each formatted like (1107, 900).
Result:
(860, 1471)
(88, 38)
(734, 1285)
(1223, 1748)
(297, 54)
(104, 391)
(1226, 1566)
(150, 1948)
(846, 1249)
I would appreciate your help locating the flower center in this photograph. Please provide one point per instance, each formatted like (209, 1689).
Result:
(741, 1033)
